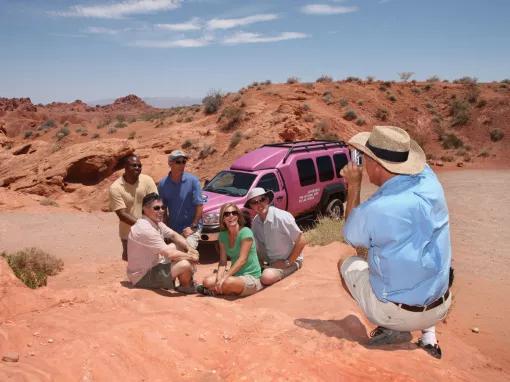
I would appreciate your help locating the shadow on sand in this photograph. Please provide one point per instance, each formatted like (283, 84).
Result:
(349, 328)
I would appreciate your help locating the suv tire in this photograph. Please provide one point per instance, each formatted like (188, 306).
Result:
(334, 209)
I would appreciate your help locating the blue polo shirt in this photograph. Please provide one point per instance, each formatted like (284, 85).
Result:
(181, 199)
(405, 227)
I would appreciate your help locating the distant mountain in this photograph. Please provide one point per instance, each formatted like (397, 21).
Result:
(161, 102)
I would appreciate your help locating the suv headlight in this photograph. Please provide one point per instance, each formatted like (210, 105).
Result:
(211, 218)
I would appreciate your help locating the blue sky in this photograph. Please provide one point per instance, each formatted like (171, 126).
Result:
(62, 50)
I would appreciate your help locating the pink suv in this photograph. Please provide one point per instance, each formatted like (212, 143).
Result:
(304, 176)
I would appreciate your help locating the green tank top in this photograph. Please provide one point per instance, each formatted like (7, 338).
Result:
(252, 266)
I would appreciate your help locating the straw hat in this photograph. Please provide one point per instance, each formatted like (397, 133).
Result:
(392, 148)
(258, 191)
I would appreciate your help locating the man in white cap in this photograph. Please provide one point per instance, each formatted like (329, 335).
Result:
(403, 285)
(278, 238)
(182, 195)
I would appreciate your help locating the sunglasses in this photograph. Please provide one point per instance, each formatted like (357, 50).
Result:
(158, 208)
(254, 202)
(135, 165)
(228, 213)
(182, 161)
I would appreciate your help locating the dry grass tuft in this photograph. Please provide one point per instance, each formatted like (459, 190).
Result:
(325, 231)
(33, 266)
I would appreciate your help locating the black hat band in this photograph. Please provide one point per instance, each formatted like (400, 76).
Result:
(389, 155)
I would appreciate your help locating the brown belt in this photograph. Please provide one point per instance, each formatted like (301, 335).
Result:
(432, 305)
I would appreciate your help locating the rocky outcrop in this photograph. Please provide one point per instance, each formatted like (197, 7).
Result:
(22, 104)
(38, 169)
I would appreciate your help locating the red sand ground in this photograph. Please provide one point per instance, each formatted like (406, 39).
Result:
(87, 325)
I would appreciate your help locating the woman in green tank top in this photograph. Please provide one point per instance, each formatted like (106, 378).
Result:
(236, 241)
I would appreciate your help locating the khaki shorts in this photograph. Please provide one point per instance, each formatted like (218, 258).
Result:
(251, 285)
(354, 272)
(158, 277)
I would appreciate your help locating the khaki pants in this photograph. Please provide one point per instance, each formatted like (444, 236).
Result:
(354, 272)
(251, 285)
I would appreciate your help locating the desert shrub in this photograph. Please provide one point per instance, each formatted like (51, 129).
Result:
(460, 113)
(350, 115)
(236, 97)
(63, 132)
(33, 266)
(292, 80)
(266, 82)
(343, 102)
(481, 103)
(325, 231)
(187, 144)
(235, 139)
(484, 153)
(427, 87)
(447, 158)
(188, 119)
(352, 79)
(306, 107)
(230, 118)
(387, 84)
(405, 76)
(324, 78)
(132, 135)
(131, 119)
(451, 141)
(436, 120)
(95, 136)
(370, 79)
(206, 151)
(104, 123)
(120, 118)
(496, 135)
(120, 125)
(360, 122)
(473, 93)
(327, 97)
(153, 115)
(506, 81)
(381, 114)
(466, 80)
(253, 84)
(28, 134)
(48, 202)
(322, 131)
(416, 90)
(111, 130)
(466, 158)
(428, 105)
(392, 98)
(79, 129)
(212, 102)
(360, 102)
(48, 124)
(433, 79)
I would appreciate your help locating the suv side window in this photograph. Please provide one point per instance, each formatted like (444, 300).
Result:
(269, 182)
(325, 167)
(306, 171)
(340, 162)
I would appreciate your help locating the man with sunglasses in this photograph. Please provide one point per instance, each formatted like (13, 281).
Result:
(182, 196)
(152, 263)
(126, 195)
(279, 240)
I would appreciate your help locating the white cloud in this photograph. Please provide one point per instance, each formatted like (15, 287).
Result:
(120, 9)
(250, 38)
(326, 9)
(101, 30)
(184, 43)
(193, 24)
(232, 23)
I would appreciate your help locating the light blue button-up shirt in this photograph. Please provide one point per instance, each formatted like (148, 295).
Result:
(405, 227)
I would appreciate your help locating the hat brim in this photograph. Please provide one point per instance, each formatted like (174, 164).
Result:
(268, 193)
(414, 164)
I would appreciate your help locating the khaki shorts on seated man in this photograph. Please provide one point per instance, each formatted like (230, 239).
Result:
(279, 240)
(403, 285)
(152, 263)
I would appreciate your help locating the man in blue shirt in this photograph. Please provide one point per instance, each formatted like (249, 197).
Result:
(403, 285)
(182, 197)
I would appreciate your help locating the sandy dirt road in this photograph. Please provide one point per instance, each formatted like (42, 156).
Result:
(88, 325)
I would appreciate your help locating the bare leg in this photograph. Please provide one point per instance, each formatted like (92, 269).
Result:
(233, 286)
(183, 270)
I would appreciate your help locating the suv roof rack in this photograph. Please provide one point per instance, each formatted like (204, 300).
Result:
(310, 145)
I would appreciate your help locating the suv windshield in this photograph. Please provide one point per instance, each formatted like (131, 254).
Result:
(231, 183)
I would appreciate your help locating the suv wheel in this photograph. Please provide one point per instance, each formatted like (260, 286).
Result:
(334, 209)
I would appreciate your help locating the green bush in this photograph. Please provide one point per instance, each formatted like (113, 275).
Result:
(322, 131)
(360, 122)
(212, 102)
(120, 125)
(352, 79)
(33, 266)
(496, 135)
(28, 133)
(343, 102)
(327, 97)
(433, 79)
(392, 98)
(206, 151)
(48, 124)
(466, 80)
(292, 80)
(187, 144)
